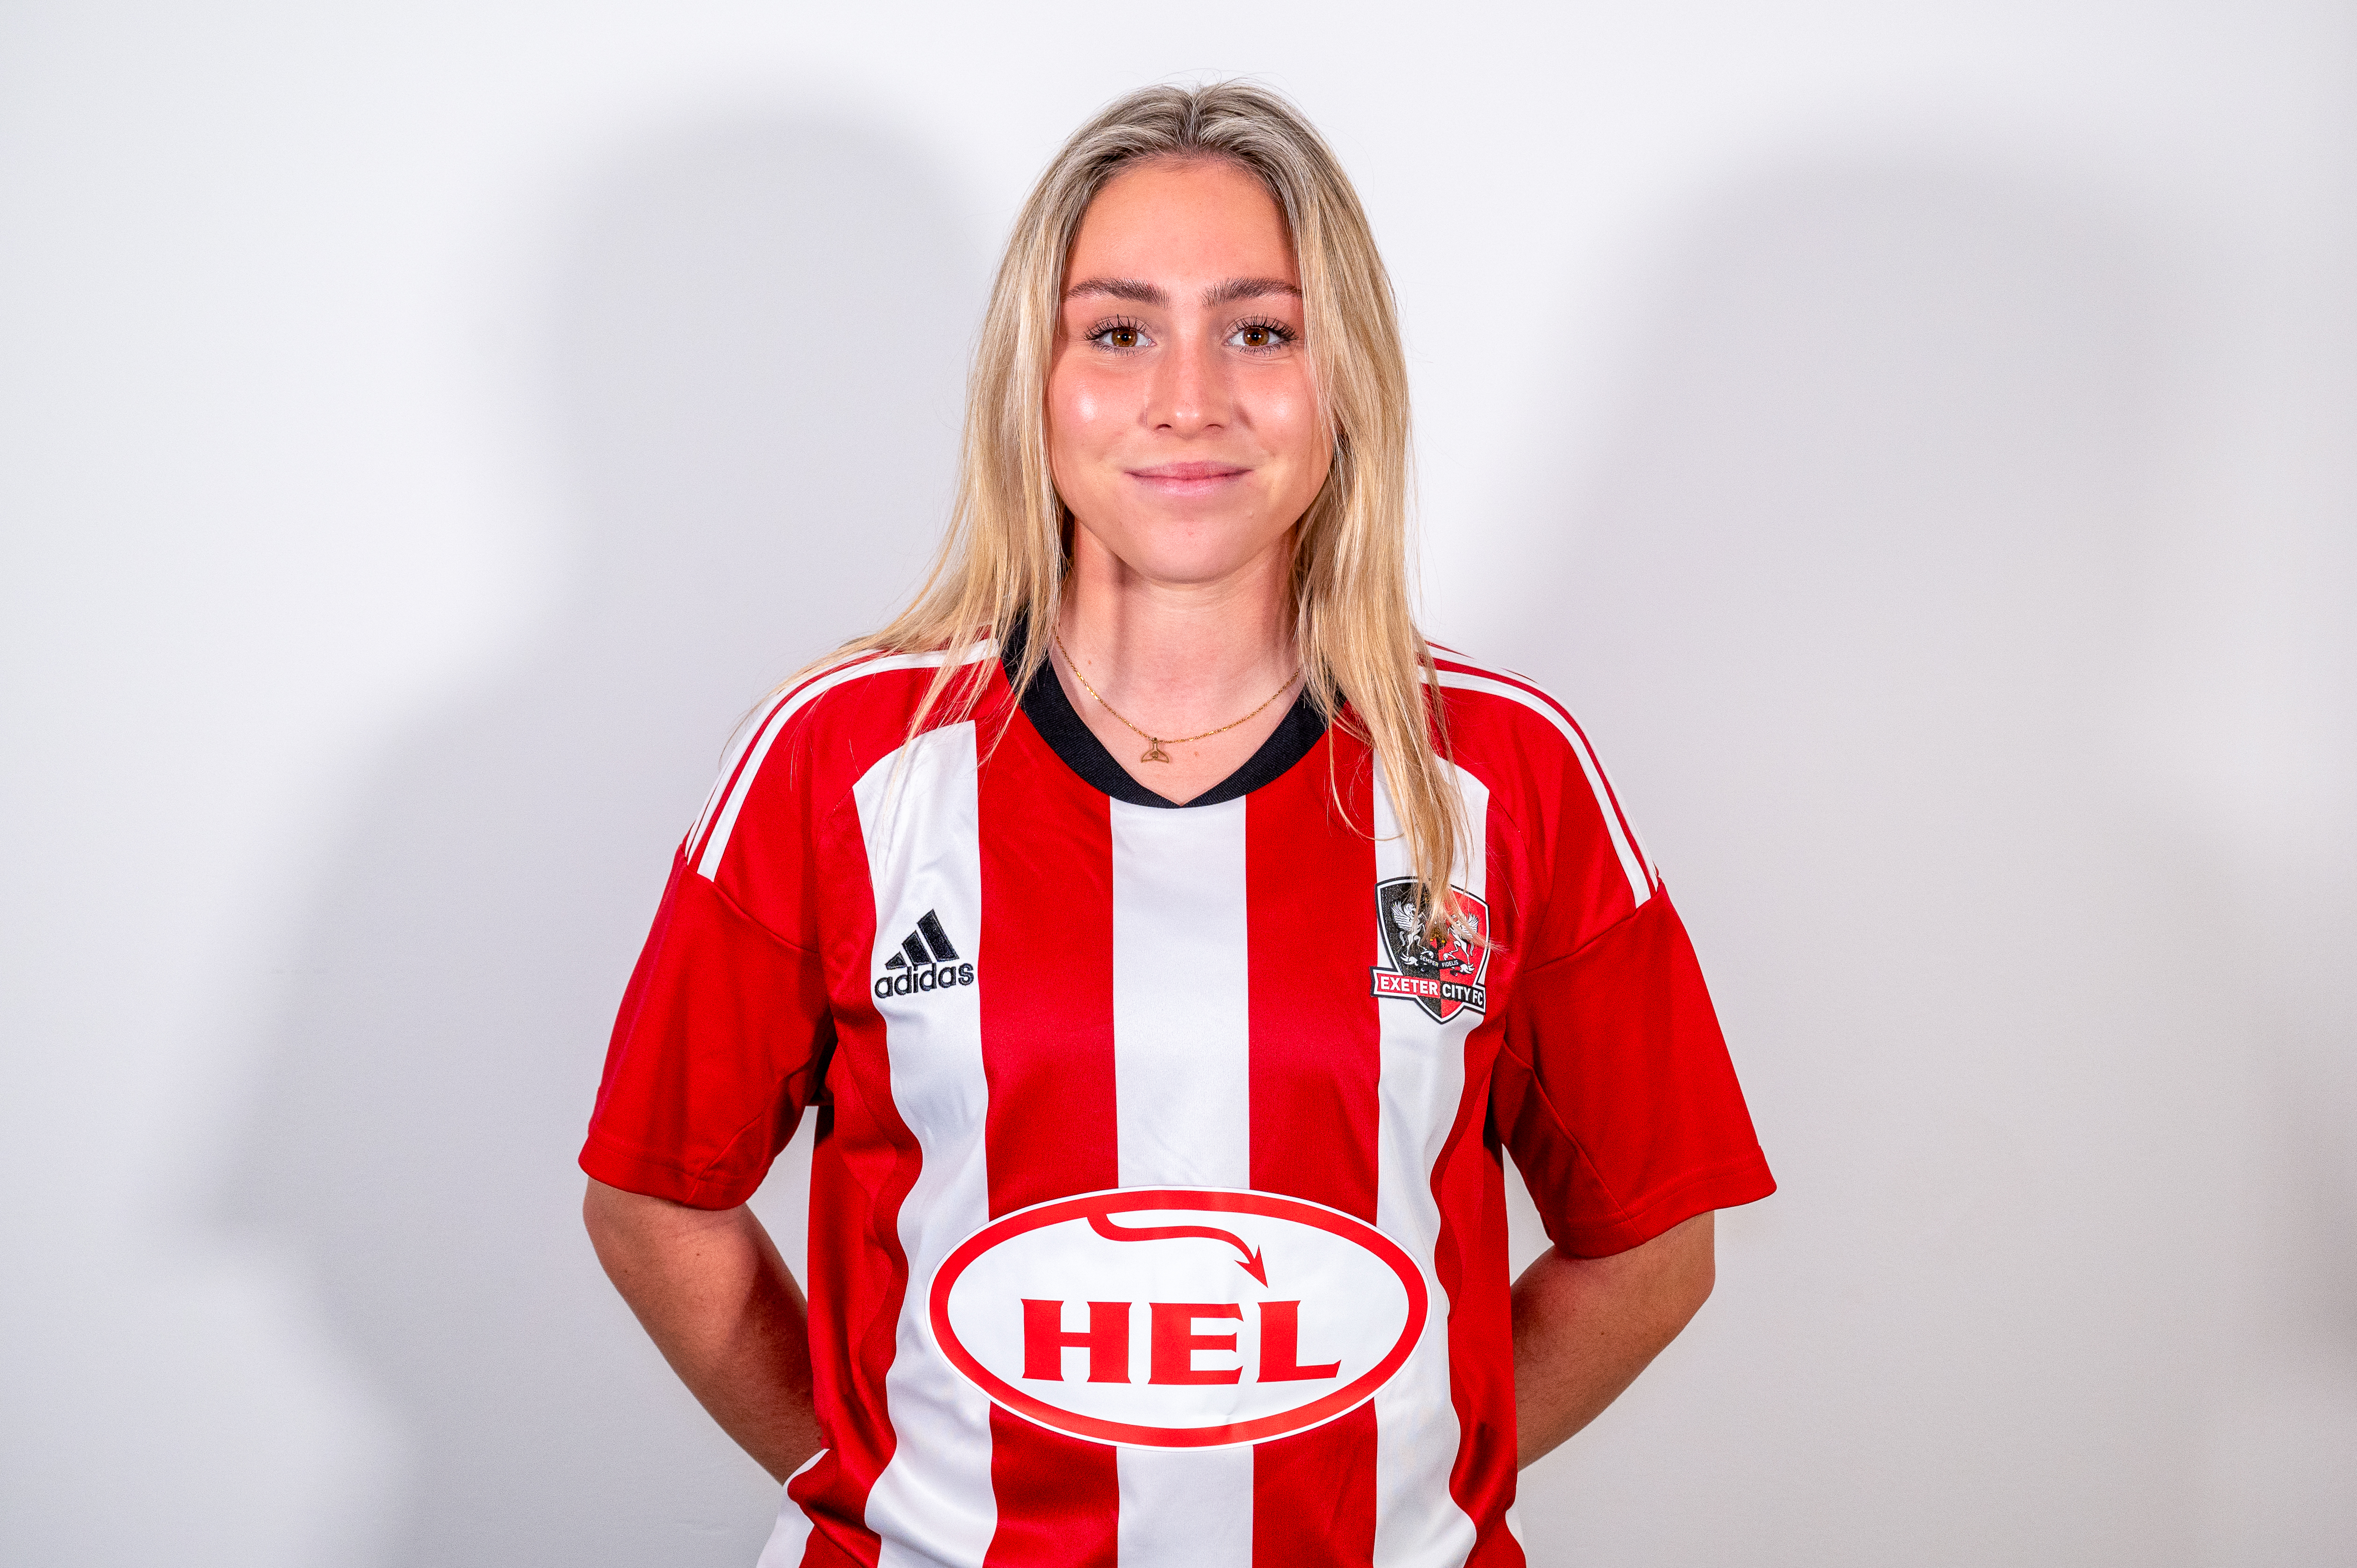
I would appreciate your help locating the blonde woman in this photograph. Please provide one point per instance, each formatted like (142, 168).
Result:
(1168, 938)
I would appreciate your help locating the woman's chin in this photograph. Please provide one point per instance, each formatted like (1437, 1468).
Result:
(1194, 551)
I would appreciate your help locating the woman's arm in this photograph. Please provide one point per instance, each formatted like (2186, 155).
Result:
(1584, 1327)
(720, 1303)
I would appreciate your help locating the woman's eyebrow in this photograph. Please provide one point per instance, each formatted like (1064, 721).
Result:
(1132, 289)
(1143, 292)
(1234, 289)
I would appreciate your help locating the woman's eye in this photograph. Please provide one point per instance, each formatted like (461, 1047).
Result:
(1260, 335)
(1119, 335)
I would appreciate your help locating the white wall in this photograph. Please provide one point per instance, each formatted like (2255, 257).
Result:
(1918, 440)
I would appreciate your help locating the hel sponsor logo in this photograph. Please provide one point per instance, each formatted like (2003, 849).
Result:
(1443, 977)
(925, 961)
(1178, 1318)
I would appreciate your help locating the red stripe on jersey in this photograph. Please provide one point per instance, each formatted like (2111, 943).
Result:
(1310, 916)
(1048, 1053)
(1310, 913)
(1333, 1463)
(822, 1551)
(1059, 1497)
(1540, 695)
(1471, 1183)
(1471, 1257)
(846, 1285)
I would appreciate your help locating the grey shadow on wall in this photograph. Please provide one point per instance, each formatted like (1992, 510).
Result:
(752, 349)
(1856, 595)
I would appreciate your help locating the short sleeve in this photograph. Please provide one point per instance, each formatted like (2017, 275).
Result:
(1614, 1092)
(722, 1041)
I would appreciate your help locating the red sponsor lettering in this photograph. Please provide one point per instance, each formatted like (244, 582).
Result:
(1106, 1339)
(1175, 1342)
(1280, 1346)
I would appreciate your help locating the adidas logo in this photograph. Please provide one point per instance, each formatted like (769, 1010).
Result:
(926, 961)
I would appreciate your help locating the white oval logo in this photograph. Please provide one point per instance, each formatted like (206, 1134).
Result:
(1178, 1318)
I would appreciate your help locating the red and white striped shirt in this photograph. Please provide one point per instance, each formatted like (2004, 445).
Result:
(1157, 1211)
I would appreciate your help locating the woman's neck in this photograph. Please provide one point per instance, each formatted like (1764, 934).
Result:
(1176, 660)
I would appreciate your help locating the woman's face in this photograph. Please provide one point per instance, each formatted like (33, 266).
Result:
(1183, 428)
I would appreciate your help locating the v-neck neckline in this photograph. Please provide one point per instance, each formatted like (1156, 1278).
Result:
(1069, 737)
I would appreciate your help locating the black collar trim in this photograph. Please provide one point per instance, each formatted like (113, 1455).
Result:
(1070, 737)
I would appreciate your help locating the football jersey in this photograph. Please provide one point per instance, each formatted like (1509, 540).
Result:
(1157, 1210)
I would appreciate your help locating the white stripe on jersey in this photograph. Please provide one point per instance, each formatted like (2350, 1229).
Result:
(1417, 1522)
(1181, 996)
(932, 1506)
(1633, 860)
(790, 1537)
(1182, 1097)
(762, 734)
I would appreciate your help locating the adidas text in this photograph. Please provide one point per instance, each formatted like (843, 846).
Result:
(940, 977)
(927, 960)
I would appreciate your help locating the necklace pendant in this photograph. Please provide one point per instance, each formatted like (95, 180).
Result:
(1154, 753)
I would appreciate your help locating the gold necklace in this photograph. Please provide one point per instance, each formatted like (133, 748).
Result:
(1154, 744)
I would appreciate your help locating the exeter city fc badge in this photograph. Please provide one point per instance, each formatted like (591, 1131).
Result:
(1441, 977)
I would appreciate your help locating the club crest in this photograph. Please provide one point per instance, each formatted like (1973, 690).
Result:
(1443, 977)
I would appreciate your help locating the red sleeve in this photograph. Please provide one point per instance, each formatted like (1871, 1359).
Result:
(722, 1041)
(1614, 1091)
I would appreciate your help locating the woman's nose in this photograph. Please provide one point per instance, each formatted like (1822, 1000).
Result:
(1190, 391)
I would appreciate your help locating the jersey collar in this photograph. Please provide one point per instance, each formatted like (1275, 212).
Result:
(1070, 737)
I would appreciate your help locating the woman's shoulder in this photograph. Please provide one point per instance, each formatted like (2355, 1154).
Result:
(1493, 707)
(872, 692)
(806, 745)
(1522, 743)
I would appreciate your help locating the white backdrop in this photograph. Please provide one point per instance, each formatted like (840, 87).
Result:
(1918, 439)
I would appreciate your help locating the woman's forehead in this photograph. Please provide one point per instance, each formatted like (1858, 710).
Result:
(1182, 227)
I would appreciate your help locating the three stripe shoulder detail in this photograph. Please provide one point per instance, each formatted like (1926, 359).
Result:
(707, 841)
(1456, 673)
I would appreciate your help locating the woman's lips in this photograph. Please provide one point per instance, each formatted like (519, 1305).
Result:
(1188, 478)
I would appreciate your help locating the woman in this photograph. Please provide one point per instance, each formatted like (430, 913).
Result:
(1168, 938)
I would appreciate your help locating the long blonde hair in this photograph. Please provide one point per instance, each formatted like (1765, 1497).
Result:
(1002, 562)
